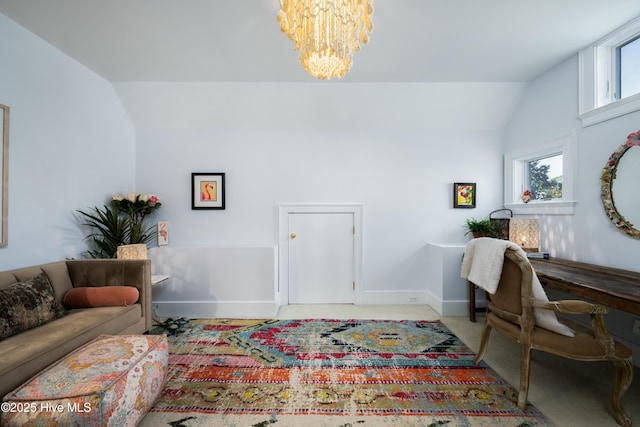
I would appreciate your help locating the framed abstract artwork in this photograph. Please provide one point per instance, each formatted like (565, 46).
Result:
(207, 190)
(464, 194)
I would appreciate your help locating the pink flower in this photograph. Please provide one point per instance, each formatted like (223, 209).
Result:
(153, 199)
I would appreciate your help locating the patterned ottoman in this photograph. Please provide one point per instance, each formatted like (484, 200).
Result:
(110, 381)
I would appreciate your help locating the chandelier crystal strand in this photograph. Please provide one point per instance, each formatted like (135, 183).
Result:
(326, 32)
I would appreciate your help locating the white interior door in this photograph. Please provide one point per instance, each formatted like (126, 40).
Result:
(321, 258)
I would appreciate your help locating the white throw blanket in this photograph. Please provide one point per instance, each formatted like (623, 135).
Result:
(482, 265)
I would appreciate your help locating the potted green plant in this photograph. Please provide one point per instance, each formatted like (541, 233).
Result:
(479, 227)
(109, 231)
(121, 223)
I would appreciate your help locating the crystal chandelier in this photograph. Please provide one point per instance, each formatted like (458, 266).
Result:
(326, 32)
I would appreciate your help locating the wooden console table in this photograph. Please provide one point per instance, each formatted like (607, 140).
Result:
(608, 286)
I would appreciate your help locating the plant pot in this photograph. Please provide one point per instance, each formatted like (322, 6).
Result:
(477, 234)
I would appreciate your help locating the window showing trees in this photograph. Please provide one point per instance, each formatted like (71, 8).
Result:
(544, 172)
(544, 177)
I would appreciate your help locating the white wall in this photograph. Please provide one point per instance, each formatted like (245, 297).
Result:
(320, 105)
(403, 179)
(395, 148)
(549, 108)
(71, 146)
(215, 282)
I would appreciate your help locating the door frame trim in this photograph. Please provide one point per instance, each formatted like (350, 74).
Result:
(284, 209)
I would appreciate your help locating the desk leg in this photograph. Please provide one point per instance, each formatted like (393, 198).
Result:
(472, 301)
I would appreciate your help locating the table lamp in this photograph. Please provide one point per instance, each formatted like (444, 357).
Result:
(525, 233)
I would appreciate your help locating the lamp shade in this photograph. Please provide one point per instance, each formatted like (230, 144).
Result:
(525, 233)
(137, 251)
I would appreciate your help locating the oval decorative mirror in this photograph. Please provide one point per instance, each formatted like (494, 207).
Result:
(619, 186)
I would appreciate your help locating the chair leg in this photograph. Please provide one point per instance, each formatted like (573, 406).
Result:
(525, 368)
(622, 380)
(484, 340)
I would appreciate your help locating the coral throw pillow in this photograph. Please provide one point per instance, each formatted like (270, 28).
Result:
(101, 296)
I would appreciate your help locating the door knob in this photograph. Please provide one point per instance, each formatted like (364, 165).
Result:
(293, 235)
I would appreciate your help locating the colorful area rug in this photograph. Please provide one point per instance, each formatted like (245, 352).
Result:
(225, 372)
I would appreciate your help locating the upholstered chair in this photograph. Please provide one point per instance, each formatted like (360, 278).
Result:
(510, 311)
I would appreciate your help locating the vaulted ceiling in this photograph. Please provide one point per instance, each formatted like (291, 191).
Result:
(240, 40)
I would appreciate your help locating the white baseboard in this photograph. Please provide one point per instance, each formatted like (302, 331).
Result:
(394, 297)
(452, 308)
(269, 309)
(215, 309)
(442, 307)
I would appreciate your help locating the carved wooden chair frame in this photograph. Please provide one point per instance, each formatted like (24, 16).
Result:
(608, 349)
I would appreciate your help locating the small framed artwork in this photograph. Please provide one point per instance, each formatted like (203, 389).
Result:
(464, 194)
(207, 190)
(163, 233)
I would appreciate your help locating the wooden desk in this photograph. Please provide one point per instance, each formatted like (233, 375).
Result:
(612, 287)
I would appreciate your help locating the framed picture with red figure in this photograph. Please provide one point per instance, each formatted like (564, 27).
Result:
(207, 190)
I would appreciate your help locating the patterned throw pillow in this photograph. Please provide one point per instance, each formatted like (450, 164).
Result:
(28, 304)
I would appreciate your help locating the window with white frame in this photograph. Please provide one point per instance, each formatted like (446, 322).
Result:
(610, 75)
(544, 175)
(628, 68)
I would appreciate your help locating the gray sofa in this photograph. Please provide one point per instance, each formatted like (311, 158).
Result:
(25, 354)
